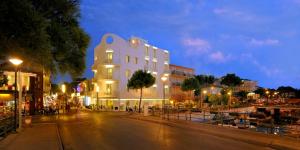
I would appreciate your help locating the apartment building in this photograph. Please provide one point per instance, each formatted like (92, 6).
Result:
(116, 59)
(177, 76)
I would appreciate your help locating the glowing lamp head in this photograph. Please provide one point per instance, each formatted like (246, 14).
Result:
(63, 88)
(16, 61)
(97, 88)
(164, 79)
(204, 92)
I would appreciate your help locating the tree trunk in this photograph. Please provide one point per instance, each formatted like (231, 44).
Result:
(140, 100)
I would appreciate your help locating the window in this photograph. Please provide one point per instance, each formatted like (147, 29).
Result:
(147, 51)
(154, 66)
(127, 59)
(108, 89)
(127, 73)
(136, 60)
(109, 57)
(154, 53)
(109, 73)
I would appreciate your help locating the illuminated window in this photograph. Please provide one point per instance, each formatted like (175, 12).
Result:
(127, 59)
(108, 89)
(127, 73)
(136, 60)
(109, 72)
(109, 56)
(147, 50)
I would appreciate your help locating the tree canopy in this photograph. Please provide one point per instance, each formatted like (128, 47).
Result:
(231, 80)
(190, 84)
(139, 80)
(205, 80)
(44, 33)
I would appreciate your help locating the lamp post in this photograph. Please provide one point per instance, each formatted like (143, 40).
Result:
(97, 92)
(16, 62)
(202, 99)
(267, 93)
(63, 89)
(229, 101)
(164, 79)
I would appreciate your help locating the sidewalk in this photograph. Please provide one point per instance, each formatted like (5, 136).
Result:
(37, 137)
(246, 136)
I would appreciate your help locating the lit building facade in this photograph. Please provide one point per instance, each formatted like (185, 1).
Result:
(116, 59)
(247, 85)
(177, 75)
(35, 86)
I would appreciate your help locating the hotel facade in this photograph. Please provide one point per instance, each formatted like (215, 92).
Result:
(115, 60)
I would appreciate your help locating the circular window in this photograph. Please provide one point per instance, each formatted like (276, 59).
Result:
(109, 39)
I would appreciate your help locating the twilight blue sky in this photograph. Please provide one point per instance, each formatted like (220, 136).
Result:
(256, 39)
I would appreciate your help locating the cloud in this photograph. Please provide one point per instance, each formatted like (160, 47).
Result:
(234, 14)
(269, 71)
(268, 42)
(219, 57)
(196, 45)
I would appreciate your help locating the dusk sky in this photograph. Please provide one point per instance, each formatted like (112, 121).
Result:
(256, 39)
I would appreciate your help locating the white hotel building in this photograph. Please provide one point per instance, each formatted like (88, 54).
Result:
(116, 59)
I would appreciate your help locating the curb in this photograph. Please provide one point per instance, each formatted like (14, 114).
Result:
(60, 143)
(249, 141)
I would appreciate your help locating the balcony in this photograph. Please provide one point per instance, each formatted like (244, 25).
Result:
(108, 61)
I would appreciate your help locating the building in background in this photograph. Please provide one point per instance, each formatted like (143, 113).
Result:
(177, 75)
(247, 86)
(116, 59)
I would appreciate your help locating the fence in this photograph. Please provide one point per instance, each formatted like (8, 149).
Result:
(6, 126)
(230, 119)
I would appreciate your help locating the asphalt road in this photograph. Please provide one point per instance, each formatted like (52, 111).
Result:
(112, 131)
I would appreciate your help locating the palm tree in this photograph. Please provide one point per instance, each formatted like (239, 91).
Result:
(139, 80)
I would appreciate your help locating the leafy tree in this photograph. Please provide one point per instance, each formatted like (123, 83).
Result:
(261, 91)
(242, 94)
(285, 91)
(190, 84)
(44, 33)
(55, 88)
(3, 79)
(298, 93)
(204, 81)
(231, 80)
(139, 80)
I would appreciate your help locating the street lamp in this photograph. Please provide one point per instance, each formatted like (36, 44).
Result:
(16, 62)
(204, 93)
(164, 79)
(97, 91)
(229, 101)
(267, 93)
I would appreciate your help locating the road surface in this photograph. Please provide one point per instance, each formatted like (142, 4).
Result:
(112, 131)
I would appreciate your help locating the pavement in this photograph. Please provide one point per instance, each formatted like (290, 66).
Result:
(118, 131)
(36, 137)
